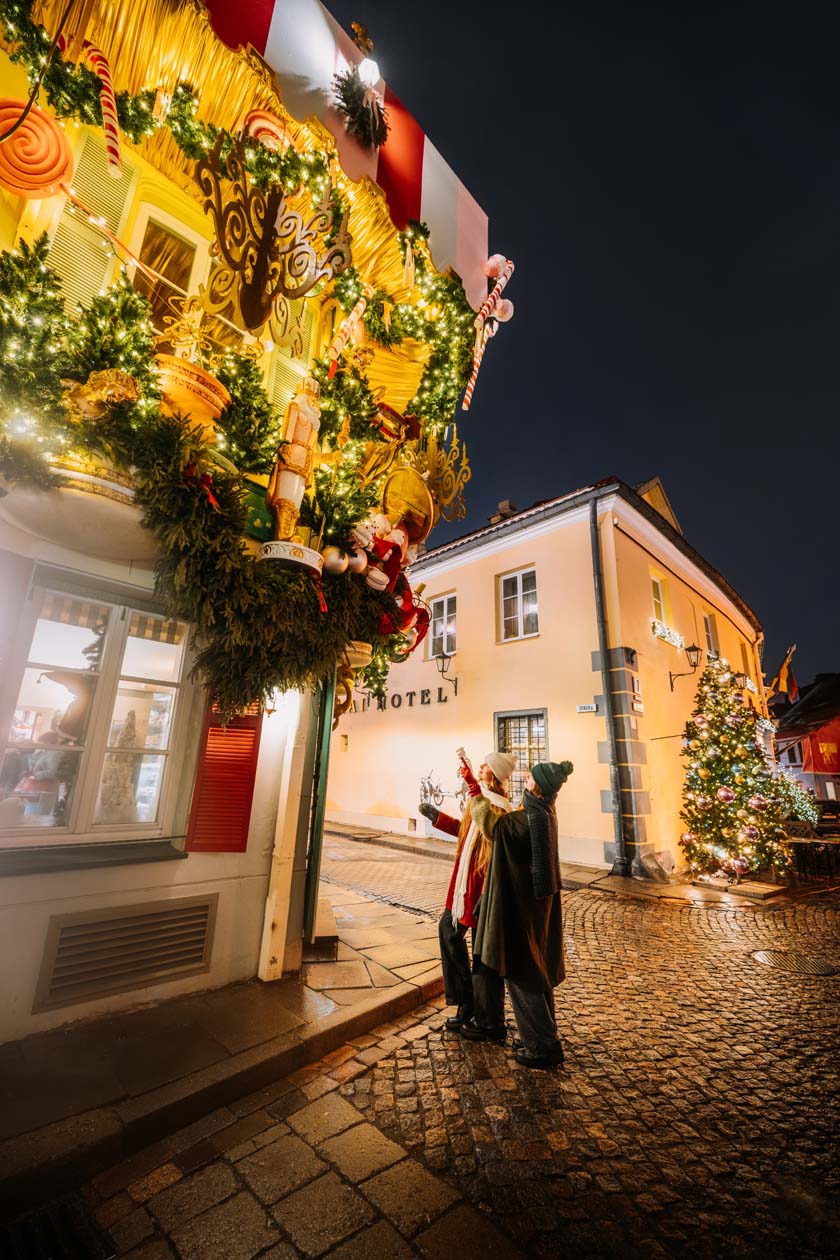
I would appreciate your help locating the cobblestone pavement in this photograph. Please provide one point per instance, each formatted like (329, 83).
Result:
(417, 883)
(696, 1116)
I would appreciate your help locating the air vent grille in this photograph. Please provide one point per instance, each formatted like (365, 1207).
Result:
(92, 954)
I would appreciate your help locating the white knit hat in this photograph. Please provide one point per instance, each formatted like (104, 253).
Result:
(502, 764)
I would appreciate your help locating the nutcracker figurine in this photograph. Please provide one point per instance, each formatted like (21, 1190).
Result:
(290, 476)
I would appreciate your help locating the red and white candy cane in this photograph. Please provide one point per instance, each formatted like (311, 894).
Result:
(496, 310)
(488, 331)
(107, 100)
(346, 329)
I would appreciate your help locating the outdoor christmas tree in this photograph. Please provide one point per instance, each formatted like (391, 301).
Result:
(250, 424)
(730, 805)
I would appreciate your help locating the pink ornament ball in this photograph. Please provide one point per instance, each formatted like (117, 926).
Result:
(704, 802)
(757, 803)
(750, 833)
(725, 794)
(503, 310)
(335, 560)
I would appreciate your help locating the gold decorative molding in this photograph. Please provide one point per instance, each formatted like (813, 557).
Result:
(267, 251)
(448, 472)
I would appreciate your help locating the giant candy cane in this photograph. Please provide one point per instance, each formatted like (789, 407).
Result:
(487, 320)
(346, 329)
(107, 99)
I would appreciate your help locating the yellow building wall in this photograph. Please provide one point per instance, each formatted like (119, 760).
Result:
(378, 757)
(639, 556)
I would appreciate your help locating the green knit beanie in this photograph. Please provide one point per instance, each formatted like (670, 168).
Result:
(550, 776)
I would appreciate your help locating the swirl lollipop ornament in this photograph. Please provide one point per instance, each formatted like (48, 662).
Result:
(36, 159)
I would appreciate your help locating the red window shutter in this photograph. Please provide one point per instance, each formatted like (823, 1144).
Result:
(224, 784)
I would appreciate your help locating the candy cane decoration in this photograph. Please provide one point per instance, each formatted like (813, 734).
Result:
(488, 331)
(107, 100)
(346, 329)
(495, 310)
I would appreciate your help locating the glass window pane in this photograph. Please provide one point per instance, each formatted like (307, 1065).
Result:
(510, 587)
(142, 716)
(510, 628)
(69, 632)
(129, 790)
(529, 581)
(154, 648)
(172, 259)
(529, 613)
(53, 707)
(36, 786)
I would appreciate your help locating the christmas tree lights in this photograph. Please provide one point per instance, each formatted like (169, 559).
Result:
(730, 804)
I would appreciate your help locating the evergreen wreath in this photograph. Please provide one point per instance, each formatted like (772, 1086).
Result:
(365, 119)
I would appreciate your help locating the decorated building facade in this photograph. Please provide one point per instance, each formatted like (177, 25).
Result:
(241, 298)
(557, 633)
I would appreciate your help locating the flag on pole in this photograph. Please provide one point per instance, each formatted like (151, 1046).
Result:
(784, 683)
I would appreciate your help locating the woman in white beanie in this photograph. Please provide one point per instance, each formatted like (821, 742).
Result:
(479, 996)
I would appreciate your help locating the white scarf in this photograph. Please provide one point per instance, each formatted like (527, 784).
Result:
(463, 875)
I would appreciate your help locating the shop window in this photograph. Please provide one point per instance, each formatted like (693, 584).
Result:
(524, 735)
(90, 735)
(518, 617)
(442, 638)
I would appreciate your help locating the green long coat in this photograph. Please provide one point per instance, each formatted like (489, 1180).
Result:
(519, 936)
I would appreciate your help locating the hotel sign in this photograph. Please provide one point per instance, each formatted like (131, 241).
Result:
(422, 698)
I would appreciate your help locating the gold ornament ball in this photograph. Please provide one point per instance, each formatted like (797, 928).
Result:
(727, 832)
(741, 813)
(703, 772)
(740, 778)
(740, 751)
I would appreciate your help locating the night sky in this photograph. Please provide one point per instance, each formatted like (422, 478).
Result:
(667, 180)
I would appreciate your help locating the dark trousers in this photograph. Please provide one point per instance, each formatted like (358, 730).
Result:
(535, 1018)
(479, 991)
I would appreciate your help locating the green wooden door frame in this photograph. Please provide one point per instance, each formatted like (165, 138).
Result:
(319, 806)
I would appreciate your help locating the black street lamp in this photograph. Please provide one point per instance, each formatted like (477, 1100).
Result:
(443, 662)
(692, 655)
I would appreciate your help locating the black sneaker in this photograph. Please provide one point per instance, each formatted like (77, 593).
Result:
(474, 1032)
(553, 1059)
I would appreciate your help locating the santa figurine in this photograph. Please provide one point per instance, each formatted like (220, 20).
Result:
(292, 471)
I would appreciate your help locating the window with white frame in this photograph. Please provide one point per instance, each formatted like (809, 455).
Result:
(518, 617)
(88, 721)
(745, 659)
(657, 588)
(442, 638)
(710, 628)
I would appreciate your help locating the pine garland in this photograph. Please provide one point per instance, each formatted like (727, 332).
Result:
(258, 628)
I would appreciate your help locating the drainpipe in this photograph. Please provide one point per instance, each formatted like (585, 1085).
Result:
(319, 806)
(621, 865)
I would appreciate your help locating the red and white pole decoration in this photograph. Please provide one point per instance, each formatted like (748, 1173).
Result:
(348, 327)
(107, 99)
(496, 310)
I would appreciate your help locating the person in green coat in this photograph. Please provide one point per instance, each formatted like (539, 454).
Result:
(520, 930)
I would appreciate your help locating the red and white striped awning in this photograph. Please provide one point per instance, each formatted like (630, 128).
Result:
(306, 48)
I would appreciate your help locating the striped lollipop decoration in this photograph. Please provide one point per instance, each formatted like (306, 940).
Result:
(35, 160)
(347, 329)
(98, 63)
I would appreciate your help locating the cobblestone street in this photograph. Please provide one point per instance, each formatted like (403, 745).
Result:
(696, 1114)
